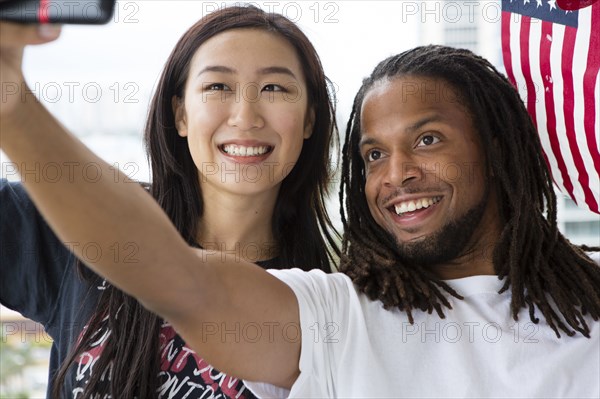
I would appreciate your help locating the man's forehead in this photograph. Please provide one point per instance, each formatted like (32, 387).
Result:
(404, 89)
(417, 99)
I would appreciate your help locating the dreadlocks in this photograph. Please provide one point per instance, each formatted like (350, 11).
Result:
(539, 265)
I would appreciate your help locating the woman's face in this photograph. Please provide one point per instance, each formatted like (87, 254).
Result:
(245, 111)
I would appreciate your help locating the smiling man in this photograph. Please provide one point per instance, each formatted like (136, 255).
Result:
(446, 179)
(451, 231)
(425, 174)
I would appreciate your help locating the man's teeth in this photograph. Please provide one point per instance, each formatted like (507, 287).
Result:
(243, 151)
(411, 206)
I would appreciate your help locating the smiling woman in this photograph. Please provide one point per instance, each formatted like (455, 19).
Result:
(242, 81)
(238, 135)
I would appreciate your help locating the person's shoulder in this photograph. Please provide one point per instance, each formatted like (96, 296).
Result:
(315, 281)
(13, 186)
(13, 196)
(314, 275)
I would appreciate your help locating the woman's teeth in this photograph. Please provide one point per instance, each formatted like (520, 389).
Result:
(411, 206)
(243, 151)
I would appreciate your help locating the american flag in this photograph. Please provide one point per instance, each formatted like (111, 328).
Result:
(552, 56)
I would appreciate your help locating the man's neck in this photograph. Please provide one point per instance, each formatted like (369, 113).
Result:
(477, 262)
(478, 258)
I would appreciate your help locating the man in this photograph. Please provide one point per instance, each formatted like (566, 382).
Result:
(447, 250)
(492, 188)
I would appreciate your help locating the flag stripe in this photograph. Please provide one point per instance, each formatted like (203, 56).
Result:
(515, 45)
(538, 102)
(581, 54)
(569, 112)
(589, 86)
(506, 49)
(526, 68)
(558, 34)
(551, 139)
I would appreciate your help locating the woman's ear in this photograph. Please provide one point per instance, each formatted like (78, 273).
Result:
(309, 123)
(178, 105)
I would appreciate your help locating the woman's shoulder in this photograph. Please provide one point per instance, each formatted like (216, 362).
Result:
(12, 191)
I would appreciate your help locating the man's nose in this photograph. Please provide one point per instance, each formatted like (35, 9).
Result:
(401, 170)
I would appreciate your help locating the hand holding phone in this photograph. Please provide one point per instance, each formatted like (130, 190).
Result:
(57, 11)
(13, 89)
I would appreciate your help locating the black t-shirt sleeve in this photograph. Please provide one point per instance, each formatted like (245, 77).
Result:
(32, 258)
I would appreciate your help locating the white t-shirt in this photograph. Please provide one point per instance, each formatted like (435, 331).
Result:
(352, 347)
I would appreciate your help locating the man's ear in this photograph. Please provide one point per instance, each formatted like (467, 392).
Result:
(309, 123)
(178, 105)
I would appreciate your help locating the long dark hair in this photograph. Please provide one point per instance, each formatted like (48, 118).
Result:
(539, 265)
(306, 235)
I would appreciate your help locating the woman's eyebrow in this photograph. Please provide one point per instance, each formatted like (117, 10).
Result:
(272, 70)
(217, 68)
(277, 70)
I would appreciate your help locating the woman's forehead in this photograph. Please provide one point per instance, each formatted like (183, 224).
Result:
(245, 50)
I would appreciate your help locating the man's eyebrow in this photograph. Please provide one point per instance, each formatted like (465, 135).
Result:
(420, 123)
(366, 140)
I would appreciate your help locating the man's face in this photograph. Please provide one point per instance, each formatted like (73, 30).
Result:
(425, 169)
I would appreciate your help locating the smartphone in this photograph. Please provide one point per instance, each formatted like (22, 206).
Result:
(91, 12)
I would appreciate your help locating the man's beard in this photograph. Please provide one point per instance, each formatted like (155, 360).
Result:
(446, 244)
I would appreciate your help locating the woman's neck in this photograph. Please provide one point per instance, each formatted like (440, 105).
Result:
(240, 224)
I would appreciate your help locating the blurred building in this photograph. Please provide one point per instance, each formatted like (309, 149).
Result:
(24, 353)
(474, 25)
(577, 224)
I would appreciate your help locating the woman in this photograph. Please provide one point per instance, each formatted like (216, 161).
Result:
(238, 134)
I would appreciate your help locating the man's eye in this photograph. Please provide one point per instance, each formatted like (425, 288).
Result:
(273, 87)
(428, 140)
(373, 155)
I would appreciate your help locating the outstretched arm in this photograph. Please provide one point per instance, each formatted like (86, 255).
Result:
(202, 295)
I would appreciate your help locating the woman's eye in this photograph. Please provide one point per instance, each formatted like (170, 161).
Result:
(273, 87)
(428, 140)
(373, 155)
(217, 87)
